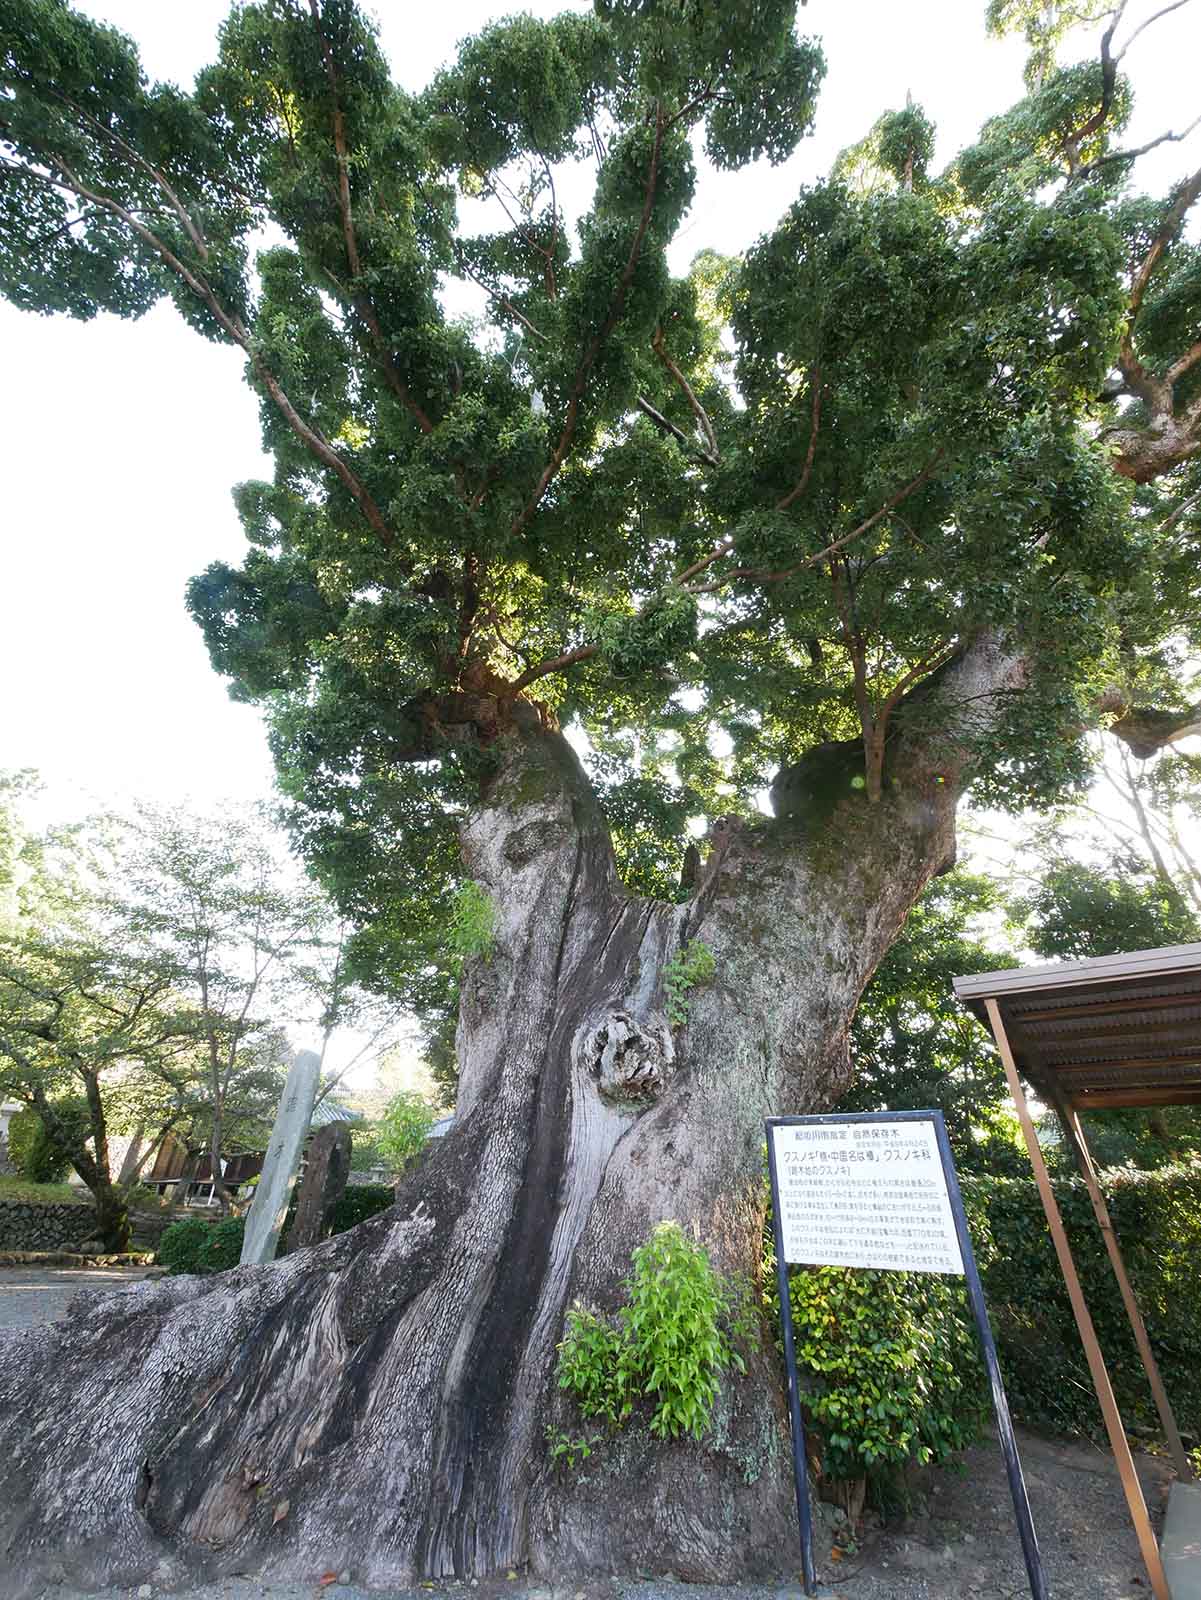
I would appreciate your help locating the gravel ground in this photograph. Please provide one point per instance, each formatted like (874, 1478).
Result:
(960, 1543)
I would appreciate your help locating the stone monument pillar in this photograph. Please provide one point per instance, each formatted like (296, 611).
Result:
(274, 1191)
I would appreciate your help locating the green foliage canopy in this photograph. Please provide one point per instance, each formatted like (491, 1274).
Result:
(769, 497)
(913, 1045)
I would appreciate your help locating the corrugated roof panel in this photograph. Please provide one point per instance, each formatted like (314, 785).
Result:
(1102, 1031)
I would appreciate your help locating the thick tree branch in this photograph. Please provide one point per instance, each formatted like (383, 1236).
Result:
(322, 450)
(543, 669)
(1184, 364)
(1186, 505)
(552, 288)
(1154, 17)
(814, 423)
(56, 233)
(570, 658)
(1109, 73)
(1145, 730)
(494, 294)
(921, 669)
(1144, 453)
(597, 342)
(77, 1153)
(237, 332)
(668, 426)
(760, 575)
(1185, 198)
(722, 548)
(698, 410)
(187, 221)
(496, 183)
(1132, 155)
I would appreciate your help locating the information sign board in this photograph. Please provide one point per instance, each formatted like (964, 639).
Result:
(878, 1189)
(865, 1194)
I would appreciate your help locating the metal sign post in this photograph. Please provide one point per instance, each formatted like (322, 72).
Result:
(800, 1470)
(878, 1189)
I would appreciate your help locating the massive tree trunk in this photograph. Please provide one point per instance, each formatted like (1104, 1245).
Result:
(379, 1402)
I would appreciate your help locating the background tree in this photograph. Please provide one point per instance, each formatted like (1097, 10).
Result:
(913, 1045)
(100, 951)
(88, 1013)
(1114, 873)
(897, 504)
(220, 904)
(75, 1016)
(404, 1129)
(1104, 875)
(36, 1158)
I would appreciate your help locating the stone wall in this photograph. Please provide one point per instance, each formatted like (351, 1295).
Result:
(149, 1226)
(44, 1227)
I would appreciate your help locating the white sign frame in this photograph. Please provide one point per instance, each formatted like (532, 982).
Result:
(869, 1193)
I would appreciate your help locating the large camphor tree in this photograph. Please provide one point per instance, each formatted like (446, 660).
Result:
(902, 501)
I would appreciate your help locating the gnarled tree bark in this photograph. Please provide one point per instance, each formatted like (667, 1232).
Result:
(379, 1402)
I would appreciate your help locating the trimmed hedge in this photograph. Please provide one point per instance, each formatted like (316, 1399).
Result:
(198, 1246)
(890, 1361)
(194, 1245)
(1157, 1220)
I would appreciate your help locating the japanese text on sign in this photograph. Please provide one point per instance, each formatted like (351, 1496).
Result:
(864, 1194)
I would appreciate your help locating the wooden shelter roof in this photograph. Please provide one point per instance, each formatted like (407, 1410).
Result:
(1114, 1031)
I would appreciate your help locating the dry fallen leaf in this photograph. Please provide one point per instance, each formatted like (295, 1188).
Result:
(326, 1578)
(281, 1510)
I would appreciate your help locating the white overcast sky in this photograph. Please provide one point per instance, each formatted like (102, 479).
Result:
(121, 442)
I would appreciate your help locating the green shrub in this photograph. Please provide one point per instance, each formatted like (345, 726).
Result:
(592, 1366)
(404, 1128)
(669, 1343)
(472, 928)
(141, 1197)
(889, 1366)
(182, 1243)
(223, 1248)
(890, 1362)
(360, 1201)
(365, 1152)
(197, 1246)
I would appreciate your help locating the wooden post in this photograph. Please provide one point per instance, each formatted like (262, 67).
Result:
(1084, 1322)
(324, 1180)
(1074, 1134)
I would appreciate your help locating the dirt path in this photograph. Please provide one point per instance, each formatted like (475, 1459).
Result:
(960, 1544)
(963, 1543)
(29, 1295)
